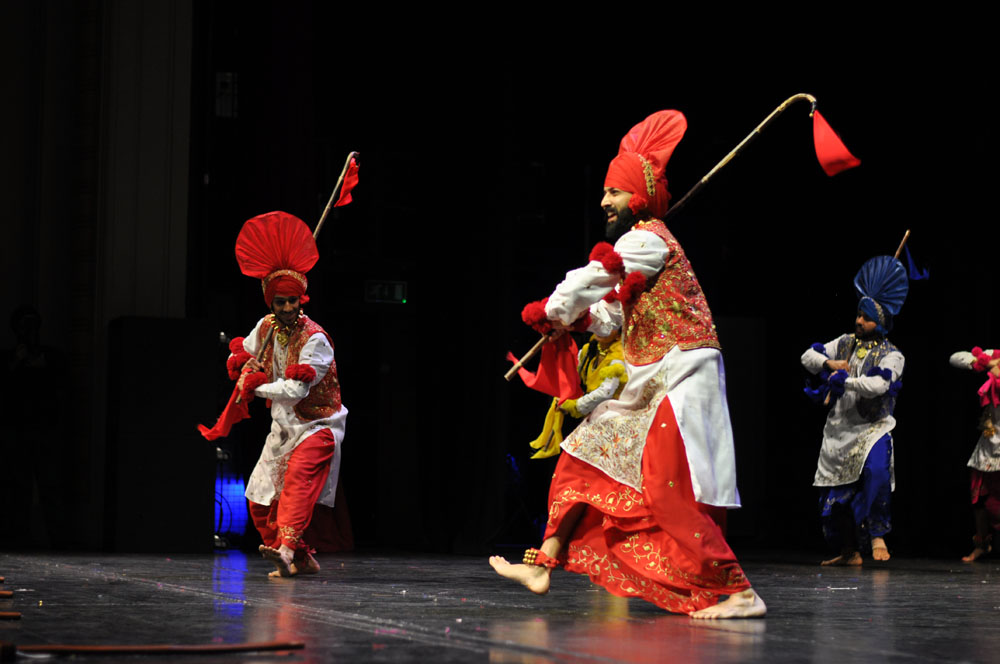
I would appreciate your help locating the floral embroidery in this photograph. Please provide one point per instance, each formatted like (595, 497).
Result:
(324, 398)
(615, 444)
(618, 503)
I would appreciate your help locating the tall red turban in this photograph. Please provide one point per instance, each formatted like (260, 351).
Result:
(642, 159)
(278, 249)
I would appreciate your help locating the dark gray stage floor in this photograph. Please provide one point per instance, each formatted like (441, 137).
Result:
(389, 608)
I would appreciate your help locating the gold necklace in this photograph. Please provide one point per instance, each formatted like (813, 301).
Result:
(864, 347)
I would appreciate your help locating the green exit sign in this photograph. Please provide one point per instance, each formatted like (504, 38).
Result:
(390, 292)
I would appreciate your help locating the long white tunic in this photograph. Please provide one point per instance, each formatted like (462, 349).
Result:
(847, 436)
(287, 429)
(613, 436)
(986, 455)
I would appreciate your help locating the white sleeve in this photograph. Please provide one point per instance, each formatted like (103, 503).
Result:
(813, 361)
(318, 354)
(873, 386)
(641, 251)
(963, 359)
(601, 393)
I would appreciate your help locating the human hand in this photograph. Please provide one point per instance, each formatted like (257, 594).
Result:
(837, 365)
(252, 365)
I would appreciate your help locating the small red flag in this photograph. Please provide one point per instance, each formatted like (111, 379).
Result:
(557, 373)
(833, 155)
(233, 413)
(350, 180)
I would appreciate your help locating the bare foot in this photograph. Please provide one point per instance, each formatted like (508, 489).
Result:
(976, 554)
(746, 604)
(879, 550)
(304, 565)
(532, 577)
(280, 558)
(846, 559)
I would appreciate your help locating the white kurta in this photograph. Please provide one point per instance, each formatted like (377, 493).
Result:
(847, 436)
(986, 455)
(613, 436)
(287, 429)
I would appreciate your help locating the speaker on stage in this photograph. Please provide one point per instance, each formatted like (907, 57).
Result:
(160, 472)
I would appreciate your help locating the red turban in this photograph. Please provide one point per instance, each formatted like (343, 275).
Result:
(642, 159)
(278, 249)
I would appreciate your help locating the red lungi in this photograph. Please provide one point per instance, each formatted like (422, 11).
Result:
(660, 544)
(285, 520)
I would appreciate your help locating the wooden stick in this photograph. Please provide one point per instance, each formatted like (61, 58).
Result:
(527, 356)
(739, 148)
(333, 196)
(208, 648)
(260, 354)
(701, 183)
(906, 236)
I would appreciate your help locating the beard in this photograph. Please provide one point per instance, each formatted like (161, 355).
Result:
(621, 225)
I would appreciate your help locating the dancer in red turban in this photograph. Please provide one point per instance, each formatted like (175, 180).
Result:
(638, 501)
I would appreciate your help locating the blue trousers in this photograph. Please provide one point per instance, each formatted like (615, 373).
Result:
(867, 499)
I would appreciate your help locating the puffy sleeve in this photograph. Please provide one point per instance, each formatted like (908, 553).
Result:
(316, 353)
(583, 289)
(873, 386)
(813, 360)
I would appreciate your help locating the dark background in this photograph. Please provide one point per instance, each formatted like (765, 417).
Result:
(140, 136)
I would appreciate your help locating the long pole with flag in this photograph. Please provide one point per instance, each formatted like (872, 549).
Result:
(833, 156)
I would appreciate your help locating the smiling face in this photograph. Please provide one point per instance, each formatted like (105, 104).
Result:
(286, 309)
(619, 216)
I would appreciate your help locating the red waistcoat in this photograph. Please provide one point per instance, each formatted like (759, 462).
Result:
(323, 399)
(671, 311)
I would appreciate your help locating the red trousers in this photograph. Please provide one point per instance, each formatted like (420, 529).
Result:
(285, 520)
(658, 544)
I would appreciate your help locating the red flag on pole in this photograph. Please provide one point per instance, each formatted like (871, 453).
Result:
(833, 155)
(350, 180)
(234, 412)
(557, 373)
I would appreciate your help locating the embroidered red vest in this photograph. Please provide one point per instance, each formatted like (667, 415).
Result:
(671, 311)
(323, 399)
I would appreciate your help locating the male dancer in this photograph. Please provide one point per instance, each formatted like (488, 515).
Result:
(638, 501)
(300, 462)
(861, 373)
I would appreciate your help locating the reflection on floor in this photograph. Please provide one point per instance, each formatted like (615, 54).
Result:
(395, 607)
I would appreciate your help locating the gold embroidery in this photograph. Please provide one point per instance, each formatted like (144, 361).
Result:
(289, 533)
(324, 398)
(672, 311)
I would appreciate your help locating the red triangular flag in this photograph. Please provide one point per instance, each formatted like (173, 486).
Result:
(833, 155)
(557, 373)
(233, 413)
(350, 180)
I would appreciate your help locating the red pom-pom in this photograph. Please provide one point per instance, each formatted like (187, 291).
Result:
(302, 372)
(250, 383)
(235, 363)
(613, 262)
(982, 362)
(632, 287)
(582, 323)
(236, 345)
(599, 250)
(612, 296)
(534, 315)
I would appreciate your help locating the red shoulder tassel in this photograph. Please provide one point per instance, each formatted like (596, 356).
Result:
(235, 363)
(302, 372)
(534, 316)
(251, 383)
(609, 258)
(236, 345)
(632, 287)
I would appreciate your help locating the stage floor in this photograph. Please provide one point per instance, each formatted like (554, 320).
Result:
(373, 607)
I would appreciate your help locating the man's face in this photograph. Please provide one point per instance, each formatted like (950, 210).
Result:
(286, 309)
(620, 217)
(864, 326)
